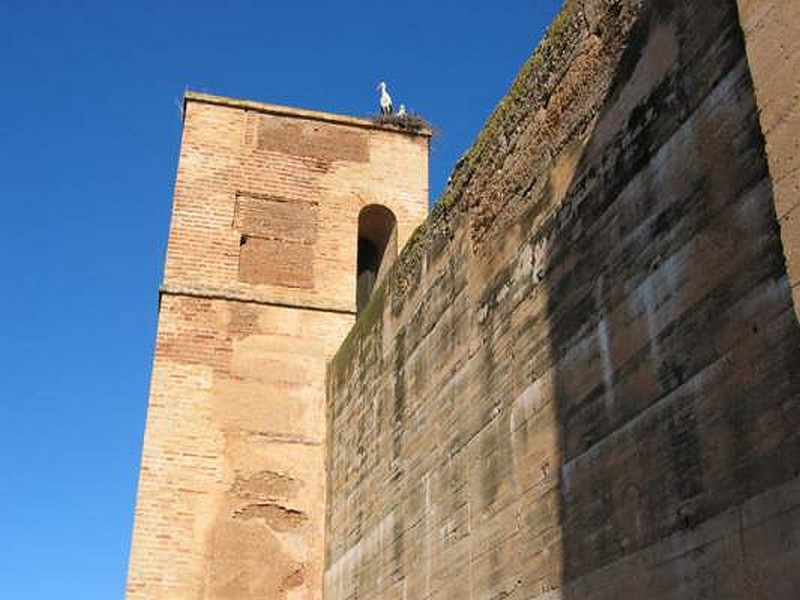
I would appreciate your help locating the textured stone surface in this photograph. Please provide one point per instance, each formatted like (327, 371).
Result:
(580, 379)
(772, 36)
(259, 291)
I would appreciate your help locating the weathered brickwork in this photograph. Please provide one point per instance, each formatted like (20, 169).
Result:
(259, 291)
(233, 183)
(580, 379)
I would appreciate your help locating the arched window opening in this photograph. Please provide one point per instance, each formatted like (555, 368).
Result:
(376, 244)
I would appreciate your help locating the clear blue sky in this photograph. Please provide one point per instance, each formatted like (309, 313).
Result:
(89, 132)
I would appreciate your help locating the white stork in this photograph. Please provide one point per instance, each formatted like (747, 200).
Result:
(386, 99)
(401, 112)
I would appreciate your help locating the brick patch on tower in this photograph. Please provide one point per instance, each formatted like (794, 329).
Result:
(276, 218)
(313, 139)
(276, 262)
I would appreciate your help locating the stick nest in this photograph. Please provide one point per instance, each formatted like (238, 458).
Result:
(407, 122)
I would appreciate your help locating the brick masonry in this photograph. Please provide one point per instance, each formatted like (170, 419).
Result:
(259, 291)
(580, 379)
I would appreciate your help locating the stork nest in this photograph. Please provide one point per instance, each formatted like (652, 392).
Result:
(407, 122)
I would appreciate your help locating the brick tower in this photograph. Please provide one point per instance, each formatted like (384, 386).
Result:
(281, 219)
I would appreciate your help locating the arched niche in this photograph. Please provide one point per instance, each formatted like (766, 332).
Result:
(376, 244)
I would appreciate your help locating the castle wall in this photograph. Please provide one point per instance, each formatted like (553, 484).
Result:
(580, 379)
(259, 291)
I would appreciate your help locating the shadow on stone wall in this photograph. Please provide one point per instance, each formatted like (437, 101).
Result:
(672, 332)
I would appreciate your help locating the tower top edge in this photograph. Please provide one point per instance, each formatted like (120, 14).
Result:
(299, 113)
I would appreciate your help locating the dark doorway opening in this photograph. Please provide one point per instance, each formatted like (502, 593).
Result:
(376, 227)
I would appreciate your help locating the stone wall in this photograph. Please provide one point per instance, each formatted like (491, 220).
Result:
(259, 292)
(580, 379)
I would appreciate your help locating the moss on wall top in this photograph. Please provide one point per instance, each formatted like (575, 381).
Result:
(529, 92)
(366, 321)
